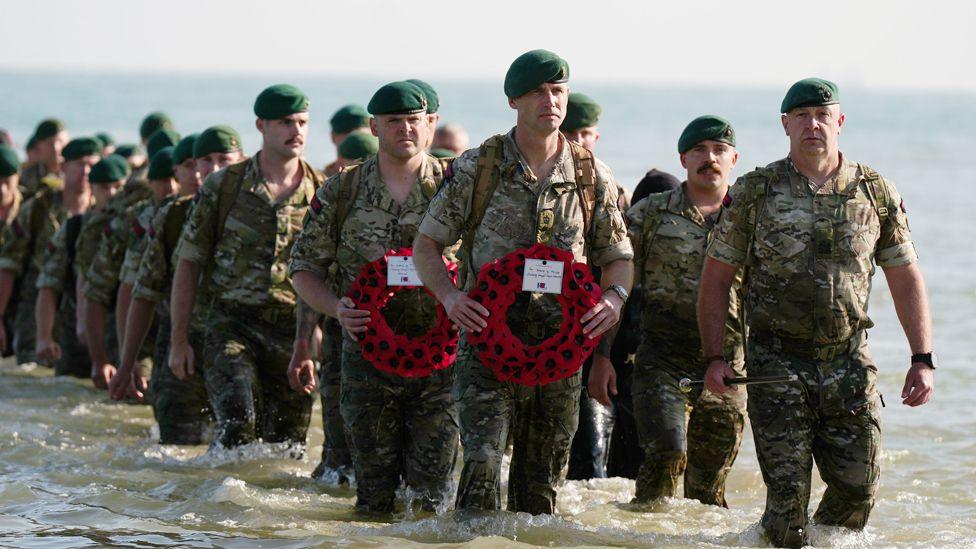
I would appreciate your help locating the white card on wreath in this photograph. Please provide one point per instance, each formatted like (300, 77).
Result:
(400, 271)
(543, 276)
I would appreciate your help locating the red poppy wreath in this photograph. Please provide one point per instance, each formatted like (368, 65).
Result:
(398, 353)
(556, 358)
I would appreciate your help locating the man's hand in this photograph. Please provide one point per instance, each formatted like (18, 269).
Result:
(919, 385)
(716, 375)
(603, 380)
(465, 312)
(101, 374)
(128, 382)
(603, 316)
(351, 319)
(181, 360)
(301, 370)
(48, 350)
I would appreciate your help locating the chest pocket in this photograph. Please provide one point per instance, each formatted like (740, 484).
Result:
(508, 224)
(249, 235)
(858, 231)
(674, 262)
(783, 234)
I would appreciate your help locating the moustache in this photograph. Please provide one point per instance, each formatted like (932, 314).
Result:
(710, 167)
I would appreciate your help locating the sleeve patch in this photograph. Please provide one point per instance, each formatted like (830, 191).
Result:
(727, 201)
(18, 230)
(138, 228)
(449, 172)
(902, 206)
(152, 232)
(316, 204)
(107, 228)
(51, 248)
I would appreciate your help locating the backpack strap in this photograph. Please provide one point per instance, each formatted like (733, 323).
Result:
(877, 191)
(757, 207)
(349, 179)
(583, 163)
(230, 188)
(486, 179)
(652, 221)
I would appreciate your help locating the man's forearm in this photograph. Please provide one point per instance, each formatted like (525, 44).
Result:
(7, 279)
(713, 304)
(44, 313)
(430, 267)
(123, 298)
(314, 294)
(620, 273)
(139, 319)
(306, 319)
(182, 297)
(95, 328)
(912, 305)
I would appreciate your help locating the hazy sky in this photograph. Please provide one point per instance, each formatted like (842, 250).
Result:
(894, 44)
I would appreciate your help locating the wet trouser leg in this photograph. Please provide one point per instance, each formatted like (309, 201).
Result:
(830, 416)
(74, 359)
(181, 407)
(625, 454)
(335, 450)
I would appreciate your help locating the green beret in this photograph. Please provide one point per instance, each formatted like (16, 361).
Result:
(442, 153)
(216, 139)
(81, 147)
(279, 101)
(581, 112)
(704, 128)
(161, 138)
(349, 118)
(358, 145)
(184, 149)
(433, 102)
(161, 165)
(152, 123)
(532, 69)
(810, 92)
(398, 98)
(105, 138)
(48, 128)
(110, 169)
(9, 161)
(126, 150)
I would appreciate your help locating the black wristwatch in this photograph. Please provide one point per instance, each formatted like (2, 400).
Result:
(928, 359)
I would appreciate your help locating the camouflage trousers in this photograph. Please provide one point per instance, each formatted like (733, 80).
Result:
(24, 338)
(245, 369)
(335, 450)
(831, 417)
(74, 359)
(695, 434)
(181, 407)
(543, 420)
(398, 428)
(591, 444)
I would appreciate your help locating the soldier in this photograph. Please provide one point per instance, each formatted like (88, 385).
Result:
(625, 456)
(10, 200)
(807, 229)
(433, 105)
(26, 238)
(397, 427)
(239, 235)
(581, 127)
(451, 137)
(347, 120)
(217, 147)
(48, 140)
(56, 295)
(108, 143)
(181, 407)
(355, 148)
(538, 197)
(152, 123)
(698, 433)
(123, 231)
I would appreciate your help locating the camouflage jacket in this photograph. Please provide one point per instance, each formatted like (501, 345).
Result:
(811, 250)
(26, 238)
(57, 272)
(31, 179)
(139, 239)
(248, 258)
(670, 236)
(122, 232)
(95, 225)
(525, 210)
(375, 223)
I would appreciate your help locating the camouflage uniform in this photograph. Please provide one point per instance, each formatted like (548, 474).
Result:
(181, 407)
(31, 177)
(58, 274)
(397, 427)
(695, 434)
(809, 251)
(335, 448)
(524, 210)
(11, 313)
(248, 344)
(24, 243)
